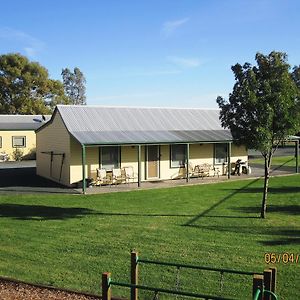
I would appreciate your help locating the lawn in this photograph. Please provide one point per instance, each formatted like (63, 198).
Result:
(277, 161)
(69, 240)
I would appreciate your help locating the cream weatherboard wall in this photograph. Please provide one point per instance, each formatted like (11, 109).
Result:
(6, 142)
(67, 169)
(199, 154)
(129, 156)
(55, 138)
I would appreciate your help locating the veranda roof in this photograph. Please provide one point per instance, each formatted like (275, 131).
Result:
(100, 125)
(22, 122)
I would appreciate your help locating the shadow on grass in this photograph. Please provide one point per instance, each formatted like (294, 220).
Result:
(277, 235)
(39, 212)
(217, 204)
(272, 190)
(283, 209)
(142, 215)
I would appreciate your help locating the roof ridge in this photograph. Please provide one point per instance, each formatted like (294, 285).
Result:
(137, 107)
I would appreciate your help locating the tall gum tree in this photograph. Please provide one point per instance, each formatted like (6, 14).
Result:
(263, 108)
(74, 85)
(25, 87)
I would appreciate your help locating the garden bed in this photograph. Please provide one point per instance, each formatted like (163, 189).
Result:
(15, 290)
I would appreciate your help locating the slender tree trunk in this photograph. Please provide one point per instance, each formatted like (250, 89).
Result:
(268, 159)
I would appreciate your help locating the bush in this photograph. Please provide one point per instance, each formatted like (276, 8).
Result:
(17, 154)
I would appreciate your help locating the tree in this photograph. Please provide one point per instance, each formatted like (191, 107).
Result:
(74, 84)
(263, 108)
(25, 87)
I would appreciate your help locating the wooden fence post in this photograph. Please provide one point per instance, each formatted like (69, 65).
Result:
(134, 274)
(258, 283)
(274, 279)
(267, 283)
(106, 289)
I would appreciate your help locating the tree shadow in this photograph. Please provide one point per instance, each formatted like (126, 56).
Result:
(217, 204)
(24, 177)
(282, 235)
(39, 212)
(142, 215)
(271, 190)
(283, 209)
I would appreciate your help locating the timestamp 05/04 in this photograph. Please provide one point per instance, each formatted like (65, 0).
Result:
(284, 258)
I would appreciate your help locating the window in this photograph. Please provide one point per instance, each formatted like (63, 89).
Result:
(221, 153)
(110, 158)
(178, 155)
(0, 141)
(19, 141)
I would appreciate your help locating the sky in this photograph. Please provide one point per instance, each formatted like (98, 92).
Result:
(158, 53)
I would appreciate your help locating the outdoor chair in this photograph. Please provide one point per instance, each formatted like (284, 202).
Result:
(102, 177)
(118, 176)
(204, 170)
(3, 157)
(129, 174)
(194, 171)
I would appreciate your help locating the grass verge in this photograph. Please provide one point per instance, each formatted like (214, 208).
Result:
(68, 241)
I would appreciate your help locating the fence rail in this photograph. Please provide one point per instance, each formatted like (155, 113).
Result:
(167, 291)
(263, 286)
(146, 261)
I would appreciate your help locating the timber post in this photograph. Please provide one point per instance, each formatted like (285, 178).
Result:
(267, 283)
(274, 279)
(258, 283)
(106, 289)
(134, 274)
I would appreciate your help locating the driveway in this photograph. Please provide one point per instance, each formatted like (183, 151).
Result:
(21, 177)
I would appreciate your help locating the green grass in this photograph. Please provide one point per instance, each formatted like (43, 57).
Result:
(69, 240)
(287, 161)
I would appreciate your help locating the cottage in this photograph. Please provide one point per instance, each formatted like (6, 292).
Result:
(155, 142)
(17, 135)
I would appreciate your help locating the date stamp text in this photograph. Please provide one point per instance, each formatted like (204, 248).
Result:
(284, 258)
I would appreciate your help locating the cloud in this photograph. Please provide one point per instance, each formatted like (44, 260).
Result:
(30, 45)
(184, 62)
(170, 27)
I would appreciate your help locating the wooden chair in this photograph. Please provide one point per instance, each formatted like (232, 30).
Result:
(129, 174)
(204, 170)
(118, 176)
(102, 177)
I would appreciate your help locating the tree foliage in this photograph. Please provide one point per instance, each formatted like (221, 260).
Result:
(25, 87)
(74, 84)
(263, 108)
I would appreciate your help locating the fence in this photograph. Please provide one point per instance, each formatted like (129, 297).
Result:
(263, 286)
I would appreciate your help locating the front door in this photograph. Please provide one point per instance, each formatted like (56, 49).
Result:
(153, 161)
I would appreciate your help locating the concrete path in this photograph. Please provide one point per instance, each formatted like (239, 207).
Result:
(21, 178)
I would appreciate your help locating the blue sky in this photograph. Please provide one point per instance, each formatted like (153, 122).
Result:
(150, 53)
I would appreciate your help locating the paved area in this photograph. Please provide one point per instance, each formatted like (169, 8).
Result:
(21, 178)
(18, 164)
(256, 172)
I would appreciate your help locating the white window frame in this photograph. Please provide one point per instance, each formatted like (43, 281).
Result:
(177, 155)
(113, 164)
(221, 159)
(22, 145)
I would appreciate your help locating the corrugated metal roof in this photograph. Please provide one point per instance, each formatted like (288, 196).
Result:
(133, 125)
(22, 122)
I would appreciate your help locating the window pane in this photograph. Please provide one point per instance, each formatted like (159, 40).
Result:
(220, 153)
(110, 158)
(19, 141)
(177, 156)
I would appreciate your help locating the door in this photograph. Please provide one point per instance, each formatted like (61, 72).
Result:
(153, 161)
